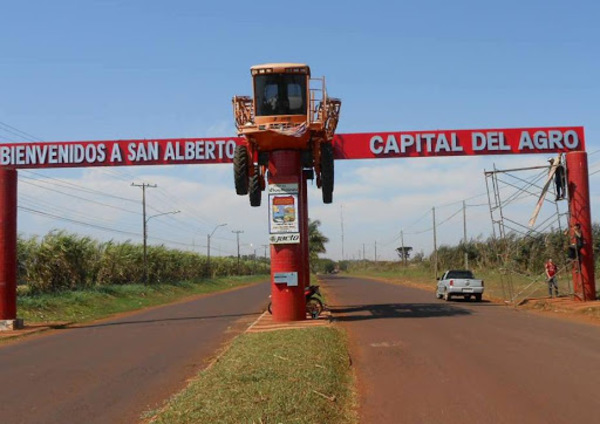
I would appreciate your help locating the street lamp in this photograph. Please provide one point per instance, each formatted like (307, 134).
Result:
(208, 236)
(146, 240)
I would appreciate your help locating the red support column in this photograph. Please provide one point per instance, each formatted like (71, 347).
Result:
(579, 206)
(8, 248)
(304, 232)
(288, 302)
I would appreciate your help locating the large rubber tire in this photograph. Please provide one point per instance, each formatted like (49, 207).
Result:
(478, 297)
(240, 170)
(269, 308)
(314, 307)
(327, 174)
(255, 189)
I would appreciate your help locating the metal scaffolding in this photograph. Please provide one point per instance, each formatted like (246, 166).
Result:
(510, 193)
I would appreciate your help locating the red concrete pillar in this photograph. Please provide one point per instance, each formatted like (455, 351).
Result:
(304, 233)
(288, 301)
(8, 244)
(579, 207)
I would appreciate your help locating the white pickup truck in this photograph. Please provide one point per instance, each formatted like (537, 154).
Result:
(459, 283)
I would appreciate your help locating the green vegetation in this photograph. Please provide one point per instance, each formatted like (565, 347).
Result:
(292, 376)
(61, 261)
(316, 243)
(102, 301)
(422, 275)
(512, 268)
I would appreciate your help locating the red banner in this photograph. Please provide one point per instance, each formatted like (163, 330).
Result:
(458, 143)
(346, 146)
(74, 154)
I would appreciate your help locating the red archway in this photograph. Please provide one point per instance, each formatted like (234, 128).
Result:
(289, 254)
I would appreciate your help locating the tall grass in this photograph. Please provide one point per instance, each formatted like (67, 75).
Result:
(62, 261)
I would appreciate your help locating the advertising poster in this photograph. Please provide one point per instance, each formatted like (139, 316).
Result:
(283, 214)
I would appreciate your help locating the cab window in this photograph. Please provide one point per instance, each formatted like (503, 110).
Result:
(280, 94)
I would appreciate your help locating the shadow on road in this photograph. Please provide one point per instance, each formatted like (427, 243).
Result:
(150, 321)
(395, 310)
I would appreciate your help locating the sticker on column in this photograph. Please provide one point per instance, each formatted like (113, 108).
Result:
(283, 188)
(283, 214)
(293, 238)
(289, 278)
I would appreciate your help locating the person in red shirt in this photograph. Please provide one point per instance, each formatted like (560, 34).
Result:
(551, 270)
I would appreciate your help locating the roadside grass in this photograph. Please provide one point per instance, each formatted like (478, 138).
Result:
(103, 301)
(286, 376)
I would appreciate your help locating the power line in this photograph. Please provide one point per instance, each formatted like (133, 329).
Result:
(24, 134)
(74, 221)
(74, 186)
(81, 198)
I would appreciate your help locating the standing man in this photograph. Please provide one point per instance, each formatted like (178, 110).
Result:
(559, 181)
(551, 270)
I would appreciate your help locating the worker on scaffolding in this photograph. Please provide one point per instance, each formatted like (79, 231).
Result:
(559, 177)
(551, 270)
(577, 242)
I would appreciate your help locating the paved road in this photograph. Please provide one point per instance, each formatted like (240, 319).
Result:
(112, 371)
(421, 360)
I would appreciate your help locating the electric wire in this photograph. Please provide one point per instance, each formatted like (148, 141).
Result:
(18, 132)
(83, 198)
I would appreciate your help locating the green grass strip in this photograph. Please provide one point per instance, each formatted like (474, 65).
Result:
(103, 301)
(291, 376)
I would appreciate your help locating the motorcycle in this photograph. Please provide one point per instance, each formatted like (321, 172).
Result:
(314, 304)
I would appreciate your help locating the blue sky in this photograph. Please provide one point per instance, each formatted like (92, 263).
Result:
(91, 70)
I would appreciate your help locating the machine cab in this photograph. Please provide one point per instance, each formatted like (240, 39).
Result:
(289, 111)
(280, 89)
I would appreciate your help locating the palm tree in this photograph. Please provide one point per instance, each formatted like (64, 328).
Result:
(316, 242)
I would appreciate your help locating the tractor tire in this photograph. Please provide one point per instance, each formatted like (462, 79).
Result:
(327, 172)
(255, 189)
(240, 170)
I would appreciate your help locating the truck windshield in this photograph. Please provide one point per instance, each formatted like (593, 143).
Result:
(468, 275)
(280, 94)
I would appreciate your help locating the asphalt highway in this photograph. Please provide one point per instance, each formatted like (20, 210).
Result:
(423, 360)
(112, 371)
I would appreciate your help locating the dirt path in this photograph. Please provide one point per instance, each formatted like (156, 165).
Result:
(112, 371)
(422, 360)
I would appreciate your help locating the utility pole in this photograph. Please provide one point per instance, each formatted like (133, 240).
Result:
(364, 256)
(465, 234)
(403, 252)
(265, 246)
(435, 256)
(342, 220)
(145, 227)
(237, 233)
(375, 250)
